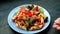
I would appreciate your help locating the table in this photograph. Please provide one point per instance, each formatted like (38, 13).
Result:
(52, 6)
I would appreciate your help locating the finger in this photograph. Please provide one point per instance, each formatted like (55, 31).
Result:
(58, 18)
(57, 21)
(58, 28)
(55, 26)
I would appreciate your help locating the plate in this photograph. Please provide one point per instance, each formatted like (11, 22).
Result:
(13, 26)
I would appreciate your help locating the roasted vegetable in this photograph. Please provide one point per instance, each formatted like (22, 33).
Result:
(46, 19)
(32, 20)
(30, 7)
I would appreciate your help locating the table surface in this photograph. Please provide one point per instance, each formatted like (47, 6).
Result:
(52, 6)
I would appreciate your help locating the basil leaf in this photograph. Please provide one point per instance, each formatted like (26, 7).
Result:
(15, 13)
(41, 10)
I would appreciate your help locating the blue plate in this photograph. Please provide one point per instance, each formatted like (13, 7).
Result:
(13, 26)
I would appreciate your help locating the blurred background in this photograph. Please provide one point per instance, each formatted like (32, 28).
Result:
(52, 6)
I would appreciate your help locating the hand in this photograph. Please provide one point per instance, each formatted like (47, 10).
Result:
(56, 24)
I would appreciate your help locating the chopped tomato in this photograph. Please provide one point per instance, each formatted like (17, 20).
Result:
(36, 8)
(38, 23)
(27, 13)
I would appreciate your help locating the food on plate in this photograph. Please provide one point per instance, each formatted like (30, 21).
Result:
(30, 17)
